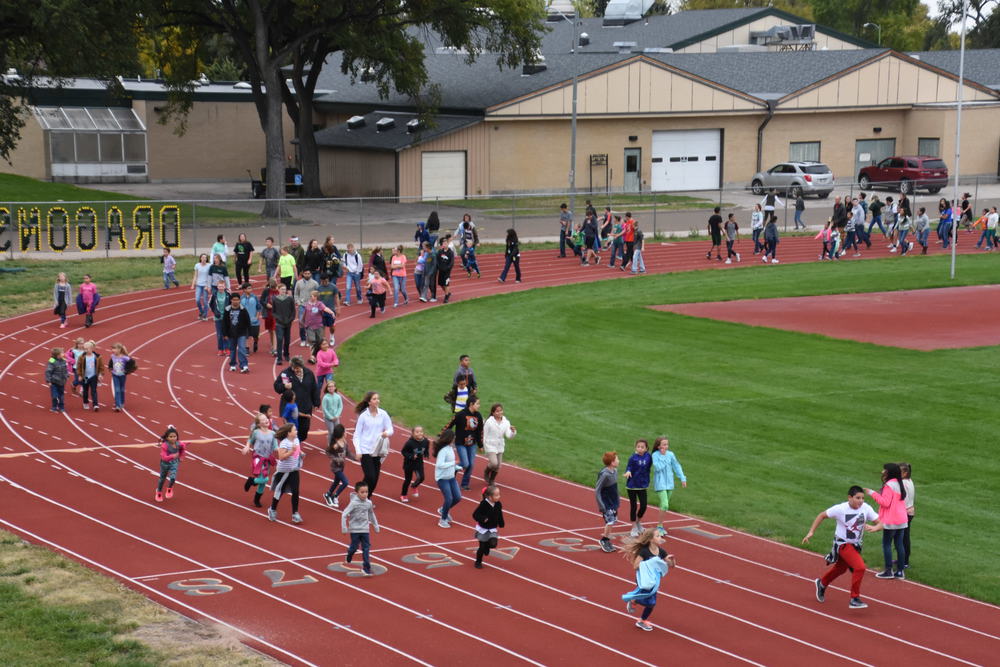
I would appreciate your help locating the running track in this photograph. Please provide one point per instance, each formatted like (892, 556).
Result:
(82, 484)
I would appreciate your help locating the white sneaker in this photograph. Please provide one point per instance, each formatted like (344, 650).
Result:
(729, 261)
(909, 246)
(443, 524)
(774, 261)
(737, 257)
(893, 249)
(296, 518)
(764, 259)
(336, 503)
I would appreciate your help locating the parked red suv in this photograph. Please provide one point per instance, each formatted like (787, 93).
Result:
(906, 174)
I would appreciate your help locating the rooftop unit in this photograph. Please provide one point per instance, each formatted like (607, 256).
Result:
(623, 12)
(786, 37)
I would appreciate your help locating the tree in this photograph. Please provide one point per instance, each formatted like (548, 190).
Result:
(801, 8)
(984, 15)
(60, 38)
(903, 23)
(377, 40)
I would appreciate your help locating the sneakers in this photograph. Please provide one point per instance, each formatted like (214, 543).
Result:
(169, 493)
(885, 574)
(404, 499)
(857, 603)
(909, 246)
(272, 515)
(296, 518)
(447, 297)
(629, 607)
(820, 591)
(232, 369)
(728, 261)
(774, 261)
(443, 524)
(159, 496)
(424, 299)
(62, 326)
(414, 493)
(336, 503)
(764, 259)
(245, 370)
(434, 300)
(328, 499)
(900, 575)
(643, 625)
(737, 257)
(478, 564)
(606, 546)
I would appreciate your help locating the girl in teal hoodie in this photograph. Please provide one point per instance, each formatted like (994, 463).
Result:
(665, 466)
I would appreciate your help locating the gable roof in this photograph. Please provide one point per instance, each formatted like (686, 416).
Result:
(981, 65)
(394, 139)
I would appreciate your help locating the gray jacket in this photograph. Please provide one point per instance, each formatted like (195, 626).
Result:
(303, 289)
(358, 516)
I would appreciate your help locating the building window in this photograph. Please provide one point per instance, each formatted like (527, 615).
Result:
(803, 151)
(929, 146)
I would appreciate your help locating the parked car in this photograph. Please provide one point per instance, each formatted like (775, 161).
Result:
(794, 178)
(906, 174)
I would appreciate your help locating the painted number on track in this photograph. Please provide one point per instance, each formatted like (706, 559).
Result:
(277, 578)
(200, 587)
(431, 559)
(354, 569)
(502, 553)
(568, 544)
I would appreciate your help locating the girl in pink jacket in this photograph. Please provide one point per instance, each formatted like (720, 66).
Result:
(892, 514)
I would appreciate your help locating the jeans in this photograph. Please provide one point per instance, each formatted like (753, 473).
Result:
(220, 338)
(902, 241)
(987, 236)
(201, 298)
(90, 390)
(338, 484)
(617, 250)
(798, 220)
(365, 541)
(238, 351)
(757, 245)
(302, 329)
(730, 252)
(851, 241)
(467, 458)
(169, 277)
(57, 391)
(399, 289)
(452, 495)
(514, 261)
(877, 220)
(283, 335)
(923, 235)
(890, 537)
(637, 264)
(418, 284)
(118, 384)
(944, 233)
(562, 242)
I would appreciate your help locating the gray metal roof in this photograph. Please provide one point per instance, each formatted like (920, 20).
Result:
(981, 65)
(394, 139)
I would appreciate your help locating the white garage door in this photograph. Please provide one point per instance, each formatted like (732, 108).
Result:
(443, 175)
(686, 159)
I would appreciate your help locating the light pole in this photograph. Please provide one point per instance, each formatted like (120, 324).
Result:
(877, 27)
(572, 148)
(958, 133)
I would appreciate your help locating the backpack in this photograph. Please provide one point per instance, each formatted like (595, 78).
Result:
(131, 366)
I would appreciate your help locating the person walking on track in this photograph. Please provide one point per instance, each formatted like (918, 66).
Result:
(373, 426)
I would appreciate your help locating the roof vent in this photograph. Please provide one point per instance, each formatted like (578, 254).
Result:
(624, 47)
(384, 124)
(414, 125)
(355, 122)
(623, 12)
(450, 50)
(242, 85)
(660, 49)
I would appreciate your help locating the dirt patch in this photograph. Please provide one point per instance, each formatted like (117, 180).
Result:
(930, 319)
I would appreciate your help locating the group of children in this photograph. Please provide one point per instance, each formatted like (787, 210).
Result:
(87, 367)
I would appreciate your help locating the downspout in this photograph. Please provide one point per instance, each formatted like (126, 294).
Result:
(760, 132)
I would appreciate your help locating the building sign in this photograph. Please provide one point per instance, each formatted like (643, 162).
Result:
(60, 228)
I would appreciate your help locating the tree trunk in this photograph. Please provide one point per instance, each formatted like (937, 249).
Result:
(273, 129)
(308, 151)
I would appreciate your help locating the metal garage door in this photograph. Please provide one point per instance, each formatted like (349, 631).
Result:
(443, 175)
(686, 159)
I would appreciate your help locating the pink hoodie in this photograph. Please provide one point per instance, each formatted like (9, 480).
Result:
(891, 507)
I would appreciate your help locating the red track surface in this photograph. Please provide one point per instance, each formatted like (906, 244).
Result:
(898, 319)
(82, 483)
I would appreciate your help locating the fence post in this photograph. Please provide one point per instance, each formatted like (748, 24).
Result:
(361, 223)
(513, 211)
(654, 217)
(785, 221)
(280, 223)
(194, 229)
(107, 237)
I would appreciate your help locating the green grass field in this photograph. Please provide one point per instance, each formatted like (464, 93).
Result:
(771, 426)
(14, 189)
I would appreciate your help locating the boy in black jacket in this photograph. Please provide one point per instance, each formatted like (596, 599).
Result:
(236, 327)
(489, 519)
(414, 452)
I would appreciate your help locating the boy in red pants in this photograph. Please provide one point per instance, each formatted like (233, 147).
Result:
(854, 518)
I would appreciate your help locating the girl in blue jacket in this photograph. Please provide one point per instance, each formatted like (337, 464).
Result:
(636, 483)
(651, 563)
(665, 466)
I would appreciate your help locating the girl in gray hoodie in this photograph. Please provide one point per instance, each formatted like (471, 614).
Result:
(358, 519)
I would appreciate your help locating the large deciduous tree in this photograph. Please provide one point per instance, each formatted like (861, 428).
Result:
(376, 40)
(60, 38)
(983, 17)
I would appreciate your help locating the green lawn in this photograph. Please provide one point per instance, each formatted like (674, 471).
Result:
(14, 189)
(549, 204)
(771, 426)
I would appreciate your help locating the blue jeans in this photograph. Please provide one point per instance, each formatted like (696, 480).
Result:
(238, 351)
(638, 266)
(118, 384)
(466, 458)
(365, 541)
(418, 284)
(283, 335)
(890, 537)
(757, 245)
(798, 220)
(452, 495)
(399, 289)
(617, 249)
(338, 484)
(985, 236)
(220, 338)
(57, 391)
(511, 261)
(562, 242)
(922, 236)
(902, 241)
(355, 280)
(201, 298)
(302, 330)
(169, 277)
(877, 220)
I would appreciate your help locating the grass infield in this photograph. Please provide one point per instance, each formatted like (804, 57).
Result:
(771, 426)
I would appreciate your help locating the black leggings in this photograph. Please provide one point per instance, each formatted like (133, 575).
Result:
(906, 540)
(242, 271)
(377, 300)
(286, 482)
(484, 548)
(633, 496)
(371, 466)
(415, 471)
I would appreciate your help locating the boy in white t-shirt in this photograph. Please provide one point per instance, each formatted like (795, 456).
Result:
(854, 518)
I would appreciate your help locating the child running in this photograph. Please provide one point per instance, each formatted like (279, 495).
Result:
(172, 450)
(358, 519)
(289, 408)
(651, 563)
(665, 467)
(854, 518)
(608, 498)
(637, 482)
(261, 443)
(489, 520)
(56, 374)
(286, 477)
(336, 449)
(414, 452)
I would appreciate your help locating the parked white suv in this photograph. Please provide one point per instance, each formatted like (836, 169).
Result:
(794, 178)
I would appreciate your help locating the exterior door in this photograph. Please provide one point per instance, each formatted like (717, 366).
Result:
(443, 174)
(868, 152)
(633, 170)
(686, 160)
